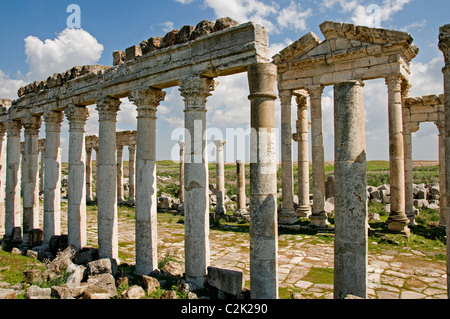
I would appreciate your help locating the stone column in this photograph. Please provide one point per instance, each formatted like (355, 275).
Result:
(52, 182)
(263, 182)
(408, 129)
(302, 124)
(442, 170)
(319, 216)
(119, 153)
(351, 213)
(2, 176)
(444, 46)
(89, 197)
(31, 176)
(146, 101)
(42, 166)
(181, 172)
(220, 179)
(13, 207)
(287, 214)
(240, 188)
(96, 171)
(76, 211)
(195, 90)
(107, 108)
(397, 221)
(131, 173)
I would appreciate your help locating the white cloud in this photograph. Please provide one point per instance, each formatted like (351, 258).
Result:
(245, 10)
(427, 78)
(9, 87)
(167, 26)
(70, 48)
(184, 1)
(294, 17)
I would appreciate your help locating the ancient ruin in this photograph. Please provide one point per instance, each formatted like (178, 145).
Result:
(193, 59)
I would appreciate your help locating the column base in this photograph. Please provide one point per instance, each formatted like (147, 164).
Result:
(319, 221)
(287, 217)
(399, 226)
(304, 211)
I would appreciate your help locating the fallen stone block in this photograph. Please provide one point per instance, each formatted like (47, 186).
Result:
(35, 292)
(228, 281)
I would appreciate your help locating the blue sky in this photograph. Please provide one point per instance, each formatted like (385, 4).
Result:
(36, 43)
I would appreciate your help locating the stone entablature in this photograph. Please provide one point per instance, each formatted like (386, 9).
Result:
(224, 52)
(429, 108)
(349, 52)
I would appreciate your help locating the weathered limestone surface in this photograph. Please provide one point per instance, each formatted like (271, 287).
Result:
(195, 91)
(77, 117)
(240, 188)
(220, 178)
(107, 177)
(263, 183)
(147, 101)
(52, 182)
(444, 46)
(351, 214)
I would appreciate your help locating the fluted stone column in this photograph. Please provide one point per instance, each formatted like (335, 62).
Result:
(442, 170)
(2, 176)
(240, 188)
(42, 166)
(408, 129)
(181, 172)
(444, 46)
(52, 181)
(318, 217)
(146, 101)
(13, 208)
(195, 90)
(107, 108)
(351, 212)
(76, 211)
(31, 176)
(220, 179)
(131, 173)
(301, 137)
(119, 153)
(287, 214)
(397, 221)
(89, 197)
(263, 182)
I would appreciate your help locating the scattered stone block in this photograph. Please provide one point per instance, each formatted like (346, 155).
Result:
(172, 268)
(149, 284)
(7, 294)
(228, 281)
(133, 292)
(170, 294)
(102, 266)
(35, 292)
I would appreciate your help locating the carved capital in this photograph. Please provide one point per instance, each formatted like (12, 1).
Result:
(302, 101)
(394, 82)
(444, 42)
(286, 97)
(220, 143)
(315, 91)
(77, 117)
(107, 108)
(147, 101)
(53, 121)
(13, 127)
(32, 125)
(195, 91)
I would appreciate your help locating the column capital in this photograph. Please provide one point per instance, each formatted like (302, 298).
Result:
(220, 143)
(32, 125)
(107, 108)
(53, 121)
(195, 90)
(147, 101)
(394, 82)
(315, 91)
(13, 127)
(131, 148)
(444, 42)
(285, 97)
(77, 117)
(302, 101)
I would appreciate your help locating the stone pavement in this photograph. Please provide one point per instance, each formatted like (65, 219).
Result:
(392, 274)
